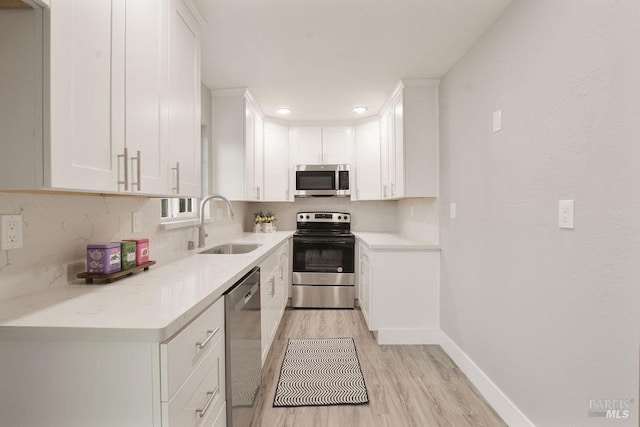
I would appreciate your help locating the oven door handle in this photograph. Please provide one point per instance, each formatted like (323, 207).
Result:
(332, 241)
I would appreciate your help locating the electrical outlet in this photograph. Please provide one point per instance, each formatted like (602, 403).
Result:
(136, 222)
(565, 214)
(452, 211)
(10, 232)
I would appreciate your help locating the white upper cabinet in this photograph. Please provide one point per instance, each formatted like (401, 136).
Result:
(409, 141)
(118, 99)
(306, 145)
(85, 95)
(367, 162)
(321, 145)
(337, 145)
(276, 163)
(238, 144)
(253, 151)
(146, 96)
(184, 100)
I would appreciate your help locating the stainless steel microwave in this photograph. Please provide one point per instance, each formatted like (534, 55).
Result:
(322, 180)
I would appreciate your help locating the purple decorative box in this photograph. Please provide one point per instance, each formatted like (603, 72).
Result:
(103, 259)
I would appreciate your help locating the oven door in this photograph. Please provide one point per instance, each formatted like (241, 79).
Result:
(323, 260)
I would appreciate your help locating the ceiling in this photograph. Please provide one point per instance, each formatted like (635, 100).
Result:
(321, 58)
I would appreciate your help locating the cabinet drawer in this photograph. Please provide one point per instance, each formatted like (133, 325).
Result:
(182, 353)
(199, 400)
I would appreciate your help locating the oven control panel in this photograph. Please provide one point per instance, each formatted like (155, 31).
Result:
(343, 217)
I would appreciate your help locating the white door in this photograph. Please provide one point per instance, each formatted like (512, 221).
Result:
(337, 145)
(145, 95)
(397, 183)
(367, 161)
(276, 163)
(258, 159)
(251, 190)
(184, 100)
(386, 153)
(84, 146)
(306, 145)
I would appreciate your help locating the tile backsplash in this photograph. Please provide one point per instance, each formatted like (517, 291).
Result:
(57, 229)
(414, 218)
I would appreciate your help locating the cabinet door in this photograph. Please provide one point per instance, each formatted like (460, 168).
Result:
(145, 95)
(84, 146)
(276, 163)
(184, 100)
(367, 162)
(251, 189)
(337, 145)
(258, 159)
(365, 288)
(306, 145)
(397, 177)
(387, 159)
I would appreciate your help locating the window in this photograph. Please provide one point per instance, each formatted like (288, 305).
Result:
(179, 209)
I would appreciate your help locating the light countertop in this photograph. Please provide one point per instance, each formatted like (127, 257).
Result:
(149, 306)
(393, 241)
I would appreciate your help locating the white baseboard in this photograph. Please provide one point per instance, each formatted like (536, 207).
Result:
(408, 336)
(496, 398)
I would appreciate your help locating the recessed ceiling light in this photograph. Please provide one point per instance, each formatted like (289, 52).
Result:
(283, 111)
(359, 110)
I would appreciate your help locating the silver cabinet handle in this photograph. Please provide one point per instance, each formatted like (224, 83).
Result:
(126, 169)
(384, 191)
(210, 334)
(273, 286)
(176, 189)
(212, 394)
(393, 189)
(138, 172)
(258, 192)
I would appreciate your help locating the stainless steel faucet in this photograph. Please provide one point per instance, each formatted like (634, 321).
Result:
(201, 234)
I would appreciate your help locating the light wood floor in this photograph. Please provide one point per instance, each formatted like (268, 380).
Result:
(407, 385)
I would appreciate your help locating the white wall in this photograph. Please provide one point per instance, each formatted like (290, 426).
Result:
(57, 229)
(550, 315)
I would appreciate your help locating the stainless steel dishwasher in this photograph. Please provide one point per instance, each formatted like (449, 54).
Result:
(243, 348)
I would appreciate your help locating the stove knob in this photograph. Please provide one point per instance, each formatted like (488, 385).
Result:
(307, 216)
(339, 217)
(301, 216)
(346, 217)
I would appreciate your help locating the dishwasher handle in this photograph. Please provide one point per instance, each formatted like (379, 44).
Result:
(255, 290)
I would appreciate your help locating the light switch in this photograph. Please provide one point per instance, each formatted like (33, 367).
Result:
(452, 210)
(497, 121)
(136, 222)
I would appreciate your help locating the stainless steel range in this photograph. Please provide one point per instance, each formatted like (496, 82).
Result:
(323, 261)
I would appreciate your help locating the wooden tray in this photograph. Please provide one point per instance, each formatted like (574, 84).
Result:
(112, 277)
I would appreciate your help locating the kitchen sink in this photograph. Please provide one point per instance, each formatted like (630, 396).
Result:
(232, 248)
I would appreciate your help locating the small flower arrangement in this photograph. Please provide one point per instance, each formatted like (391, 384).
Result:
(264, 221)
(260, 217)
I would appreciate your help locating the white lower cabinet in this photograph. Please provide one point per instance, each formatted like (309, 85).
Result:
(192, 378)
(399, 294)
(55, 381)
(274, 293)
(201, 396)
